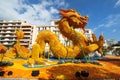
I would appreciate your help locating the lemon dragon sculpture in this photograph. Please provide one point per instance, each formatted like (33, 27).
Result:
(67, 24)
(81, 44)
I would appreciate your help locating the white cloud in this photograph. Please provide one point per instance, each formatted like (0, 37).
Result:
(110, 21)
(99, 26)
(7, 9)
(114, 30)
(40, 13)
(117, 4)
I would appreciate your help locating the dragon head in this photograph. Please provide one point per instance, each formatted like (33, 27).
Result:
(74, 18)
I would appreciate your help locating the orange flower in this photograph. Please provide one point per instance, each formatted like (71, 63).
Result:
(3, 49)
(19, 34)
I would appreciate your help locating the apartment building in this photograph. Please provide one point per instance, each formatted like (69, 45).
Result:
(7, 33)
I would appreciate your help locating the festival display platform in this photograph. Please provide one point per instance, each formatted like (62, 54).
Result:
(109, 69)
(68, 62)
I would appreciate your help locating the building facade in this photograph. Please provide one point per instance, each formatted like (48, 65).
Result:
(111, 42)
(8, 29)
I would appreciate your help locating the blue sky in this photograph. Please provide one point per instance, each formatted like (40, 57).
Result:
(104, 15)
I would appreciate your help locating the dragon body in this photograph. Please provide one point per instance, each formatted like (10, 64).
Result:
(81, 44)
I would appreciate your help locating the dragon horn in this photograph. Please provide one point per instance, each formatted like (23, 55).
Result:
(101, 40)
(100, 43)
(94, 37)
